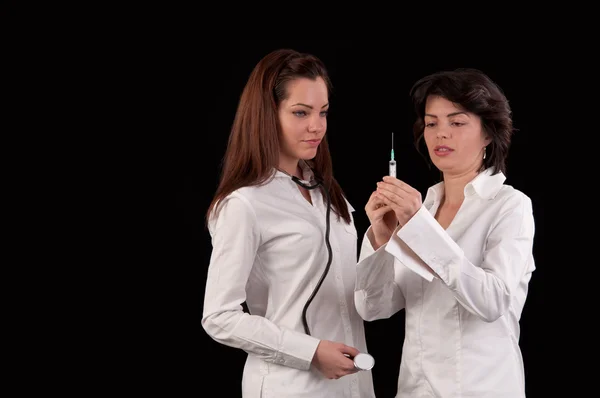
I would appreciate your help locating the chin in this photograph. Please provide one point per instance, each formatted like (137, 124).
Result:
(441, 167)
(437, 165)
(308, 155)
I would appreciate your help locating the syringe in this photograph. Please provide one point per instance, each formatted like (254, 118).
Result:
(392, 161)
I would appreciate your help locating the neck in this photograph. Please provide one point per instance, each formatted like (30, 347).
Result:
(454, 187)
(291, 167)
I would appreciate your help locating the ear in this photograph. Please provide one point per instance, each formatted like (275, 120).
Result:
(487, 140)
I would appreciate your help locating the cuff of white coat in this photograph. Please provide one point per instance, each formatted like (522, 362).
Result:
(374, 270)
(430, 242)
(366, 249)
(297, 350)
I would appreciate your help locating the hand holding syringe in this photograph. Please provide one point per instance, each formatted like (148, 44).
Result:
(392, 161)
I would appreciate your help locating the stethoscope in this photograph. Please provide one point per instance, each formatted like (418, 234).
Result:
(317, 182)
(362, 361)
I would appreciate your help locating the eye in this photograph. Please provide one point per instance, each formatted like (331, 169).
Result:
(325, 113)
(300, 113)
(457, 124)
(429, 125)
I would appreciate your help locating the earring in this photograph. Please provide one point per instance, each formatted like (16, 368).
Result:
(484, 148)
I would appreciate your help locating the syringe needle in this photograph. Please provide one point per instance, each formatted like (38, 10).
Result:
(392, 164)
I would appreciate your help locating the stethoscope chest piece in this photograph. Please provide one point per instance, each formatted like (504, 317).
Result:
(364, 361)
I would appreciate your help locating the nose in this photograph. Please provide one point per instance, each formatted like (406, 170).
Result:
(442, 133)
(316, 125)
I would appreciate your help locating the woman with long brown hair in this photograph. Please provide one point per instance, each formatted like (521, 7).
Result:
(284, 242)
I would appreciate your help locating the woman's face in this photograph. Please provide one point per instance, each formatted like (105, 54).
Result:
(454, 137)
(303, 119)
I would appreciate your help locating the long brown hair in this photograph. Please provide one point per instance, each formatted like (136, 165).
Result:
(253, 147)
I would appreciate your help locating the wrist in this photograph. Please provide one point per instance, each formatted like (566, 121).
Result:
(314, 358)
(377, 240)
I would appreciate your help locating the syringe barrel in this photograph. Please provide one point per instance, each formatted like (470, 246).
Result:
(393, 168)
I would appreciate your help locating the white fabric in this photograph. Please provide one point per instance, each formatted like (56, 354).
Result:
(462, 323)
(269, 250)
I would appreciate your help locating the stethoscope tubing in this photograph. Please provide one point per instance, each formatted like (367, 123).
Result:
(330, 252)
(362, 361)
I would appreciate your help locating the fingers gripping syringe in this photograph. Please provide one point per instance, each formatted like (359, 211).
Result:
(392, 161)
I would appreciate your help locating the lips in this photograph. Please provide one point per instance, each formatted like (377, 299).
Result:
(313, 142)
(442, 150)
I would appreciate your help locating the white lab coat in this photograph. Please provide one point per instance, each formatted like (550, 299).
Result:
(462, 329)
(269, 250)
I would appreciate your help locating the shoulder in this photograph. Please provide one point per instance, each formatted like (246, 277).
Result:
(510, 197)
(514, 209)
(236, 205)
(250, 194)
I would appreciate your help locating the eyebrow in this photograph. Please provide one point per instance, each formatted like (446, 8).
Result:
(308, 106)
(448, 115)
